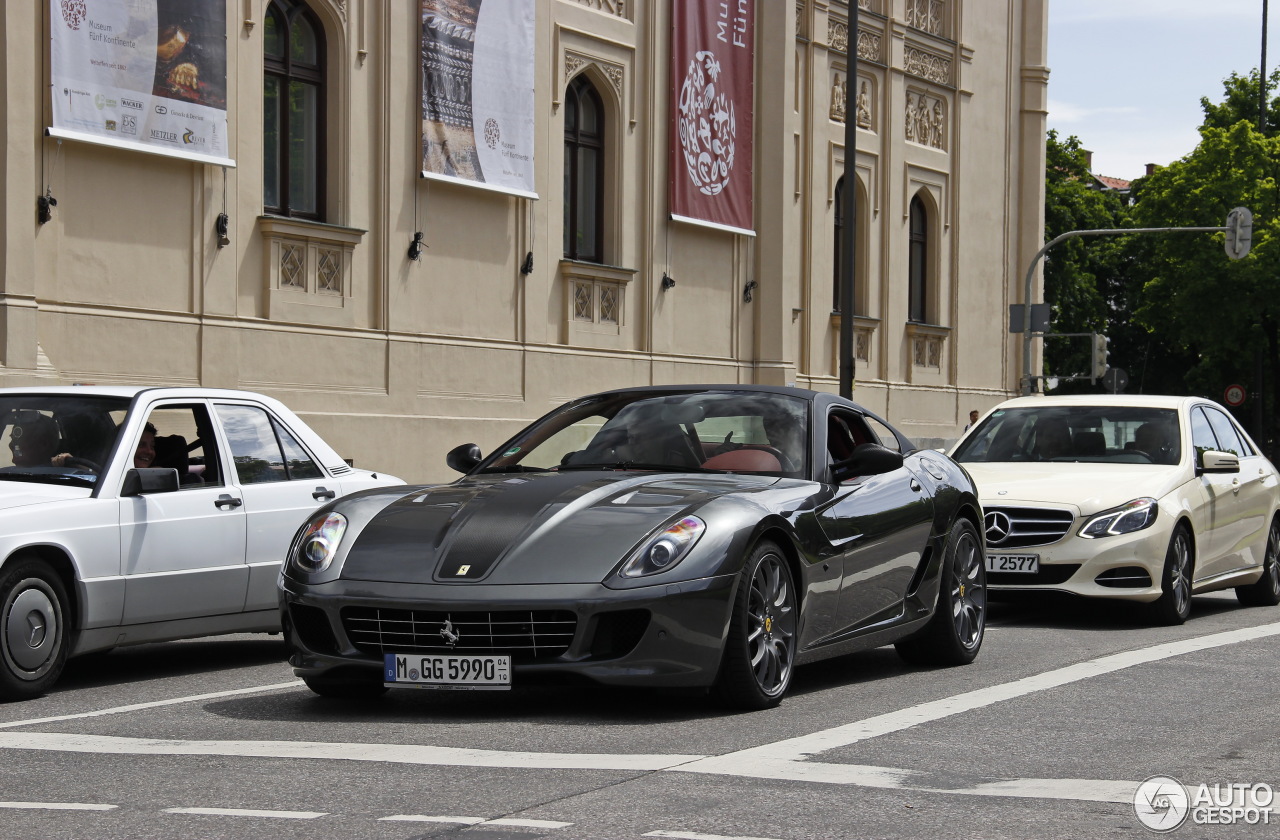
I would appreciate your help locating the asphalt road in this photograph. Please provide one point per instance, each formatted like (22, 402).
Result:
(1070, 706)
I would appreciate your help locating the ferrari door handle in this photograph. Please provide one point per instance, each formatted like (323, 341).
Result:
(227, 501)
(323, 494)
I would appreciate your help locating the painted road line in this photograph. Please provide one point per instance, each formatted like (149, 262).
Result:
(195, 698)
(689, 835)
(428, 819)
(246, 812)
(390, 753)
(753, 761)
(517, 823)
(57, 806)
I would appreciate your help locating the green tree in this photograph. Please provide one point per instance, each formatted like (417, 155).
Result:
(1081, 276)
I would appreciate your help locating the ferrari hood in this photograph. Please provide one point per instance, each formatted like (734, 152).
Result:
(1089, 488)
(548, 528)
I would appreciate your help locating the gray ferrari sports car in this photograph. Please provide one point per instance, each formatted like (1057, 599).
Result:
(686, 536)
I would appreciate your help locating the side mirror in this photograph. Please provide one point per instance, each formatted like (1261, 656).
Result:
(464, 458)
(1210, 461)
(139, 481)
(867, 459)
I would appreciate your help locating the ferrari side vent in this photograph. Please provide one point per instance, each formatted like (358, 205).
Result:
(525, 634)
(617, 633)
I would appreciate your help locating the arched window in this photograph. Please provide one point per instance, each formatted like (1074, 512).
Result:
(583, 172)
(293, 111)
(918, 263)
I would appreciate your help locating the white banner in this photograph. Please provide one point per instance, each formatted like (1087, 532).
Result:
(477, 93)
(149, 75)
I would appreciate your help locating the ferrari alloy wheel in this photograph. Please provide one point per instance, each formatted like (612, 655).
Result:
(760, 650)
(1174, 604)
(1266, 591)
(345, 689)
(33, 630)
(954, 635)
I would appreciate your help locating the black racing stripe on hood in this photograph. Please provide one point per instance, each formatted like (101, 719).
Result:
(496, 518)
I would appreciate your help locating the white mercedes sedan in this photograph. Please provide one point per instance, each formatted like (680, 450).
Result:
(131, 515)
(1142, 498)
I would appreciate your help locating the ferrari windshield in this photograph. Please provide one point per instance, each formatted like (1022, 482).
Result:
(1095, 434)
(733, 431)
(51, 438)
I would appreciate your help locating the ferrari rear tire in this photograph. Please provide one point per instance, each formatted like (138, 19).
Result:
(33, 629)
(759, 653)
(345, 689)
(1266, 591)
(954, 635)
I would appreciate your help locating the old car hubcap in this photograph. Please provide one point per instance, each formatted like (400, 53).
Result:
(772, 625)
(968, 595)
(30, 626)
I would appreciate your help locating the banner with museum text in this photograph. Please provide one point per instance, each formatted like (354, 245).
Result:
(712, 106)
(477, 93)
(149, 75)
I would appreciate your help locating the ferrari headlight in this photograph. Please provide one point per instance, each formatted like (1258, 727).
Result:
(666, 549)
(1129, 517)
(319, 542)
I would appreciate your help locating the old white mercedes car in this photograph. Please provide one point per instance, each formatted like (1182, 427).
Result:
(132, 515)
(1141, 498)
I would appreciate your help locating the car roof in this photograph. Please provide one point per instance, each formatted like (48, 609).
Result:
(1132, 400)
(131, 391)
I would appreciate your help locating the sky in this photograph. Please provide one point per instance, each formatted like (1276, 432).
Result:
(1126, 76)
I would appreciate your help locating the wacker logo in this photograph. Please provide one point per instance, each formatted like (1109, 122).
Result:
(131, 103)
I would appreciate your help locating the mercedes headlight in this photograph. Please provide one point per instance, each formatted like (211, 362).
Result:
(318, 543)
(1129, 517)
(665, 549)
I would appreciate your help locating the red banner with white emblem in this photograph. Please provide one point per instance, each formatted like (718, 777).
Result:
(712, 108)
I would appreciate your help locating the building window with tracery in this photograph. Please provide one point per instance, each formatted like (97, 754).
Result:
(293, 111)
(584, 133)
(918, 263)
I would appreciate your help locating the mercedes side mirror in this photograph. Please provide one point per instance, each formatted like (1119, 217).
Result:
(464, 458)
(1210, 461)
(142, 480)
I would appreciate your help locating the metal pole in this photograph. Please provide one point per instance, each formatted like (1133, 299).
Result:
(1028, 379)
(1259, 366)
(849, 196)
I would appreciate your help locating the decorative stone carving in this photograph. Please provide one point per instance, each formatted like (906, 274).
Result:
(613, 7)
(869, 46)
(838, 99)
(862, 114)
(329, 270)
(837, 35)
(613, 72)
(926, 15)
(926, 122)
(293, 266)
(869, 43)
(928, 66)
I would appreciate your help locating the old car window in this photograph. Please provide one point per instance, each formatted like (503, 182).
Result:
(1078, 433)
(1225, 431)
(254, 448)
(737, 431)
(183, 440)
(57, 438)
(298, 462)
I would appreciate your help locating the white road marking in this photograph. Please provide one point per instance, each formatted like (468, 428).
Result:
(391, 753)
(689, 835)
(195, 698)
(476, 821)
(57, 806)
(246, 812)
(529, 823)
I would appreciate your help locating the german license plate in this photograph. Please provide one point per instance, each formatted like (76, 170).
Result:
(1025, 563)
(412, 670)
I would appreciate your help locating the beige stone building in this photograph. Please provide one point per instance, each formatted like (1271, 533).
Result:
(315, 300)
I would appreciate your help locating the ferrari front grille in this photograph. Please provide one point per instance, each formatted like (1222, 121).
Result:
(525, 634)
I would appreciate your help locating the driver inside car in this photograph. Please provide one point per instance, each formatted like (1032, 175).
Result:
(35, 443)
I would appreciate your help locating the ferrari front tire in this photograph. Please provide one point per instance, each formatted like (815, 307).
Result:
(33, 629)
(760, 650)
(954, 634)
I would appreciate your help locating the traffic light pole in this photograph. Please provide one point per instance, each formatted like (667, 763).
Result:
(1028, 383)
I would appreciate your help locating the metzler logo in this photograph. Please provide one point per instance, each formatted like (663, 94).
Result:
(1161, 803)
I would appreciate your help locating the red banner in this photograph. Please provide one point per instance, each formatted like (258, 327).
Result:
(712, 107)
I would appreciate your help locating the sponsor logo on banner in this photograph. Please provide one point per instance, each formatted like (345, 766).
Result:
(73, 13)
(131, 103)
(169, 136)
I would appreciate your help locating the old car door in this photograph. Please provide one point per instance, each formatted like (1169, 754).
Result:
(281, 483)
(880, 523)
(182, 553)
